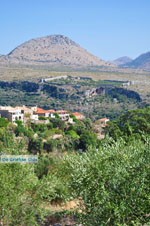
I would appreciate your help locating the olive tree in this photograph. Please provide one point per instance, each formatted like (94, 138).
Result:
(113, 182)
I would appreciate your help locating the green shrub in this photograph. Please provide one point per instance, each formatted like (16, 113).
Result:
(72, 133)
(87, 139)
(113, 182)
(56, 115)
(42, 167)
(3, 122)
(58, 123)
(35, 145)
(131, 123)
(50, 145)
(42, 118)
(17, 182)
(74, 118)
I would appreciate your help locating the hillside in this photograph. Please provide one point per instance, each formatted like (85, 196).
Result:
(93, 98)
(122, 60)
(52, 50)
(141, 62)
(62, 174)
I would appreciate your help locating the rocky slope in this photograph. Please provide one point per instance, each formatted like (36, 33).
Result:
(141, 62)
(52, 50)
(122, 60)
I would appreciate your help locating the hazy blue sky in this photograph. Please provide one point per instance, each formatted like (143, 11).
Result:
(107, 28)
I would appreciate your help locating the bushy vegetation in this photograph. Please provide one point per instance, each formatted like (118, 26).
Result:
(113, 101)
(110, 178)
(113, 182)
(134, 122)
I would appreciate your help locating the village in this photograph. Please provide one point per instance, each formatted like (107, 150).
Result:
(33, 114)
(38, 115)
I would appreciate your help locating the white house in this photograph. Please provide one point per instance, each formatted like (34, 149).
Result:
(63, 114)
(11, 113)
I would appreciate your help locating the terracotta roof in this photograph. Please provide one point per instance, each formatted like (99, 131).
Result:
(51, 111)
(61, 112)
(41, 111)
(77, 114)
(103, 119)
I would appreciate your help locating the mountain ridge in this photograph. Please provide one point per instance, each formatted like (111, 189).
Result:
(141, 62)
(52, 50)
(121, 60)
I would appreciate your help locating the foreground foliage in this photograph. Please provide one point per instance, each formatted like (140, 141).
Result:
(133, 123)
(113, 182)
(110, 178)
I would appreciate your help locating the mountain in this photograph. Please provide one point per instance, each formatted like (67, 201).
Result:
(122, 60)
(52, 50)
(141, 62)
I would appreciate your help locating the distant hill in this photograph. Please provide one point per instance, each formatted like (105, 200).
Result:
(121, 61)
(52, 50)
(141, 62)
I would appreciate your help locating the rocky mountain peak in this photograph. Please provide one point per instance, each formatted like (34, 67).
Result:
(52, 50)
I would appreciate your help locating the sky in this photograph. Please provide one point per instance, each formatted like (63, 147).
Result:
(108, 29)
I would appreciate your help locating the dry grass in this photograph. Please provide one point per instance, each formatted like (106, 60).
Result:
(63, 206)
(14, 72)
(34, 73)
